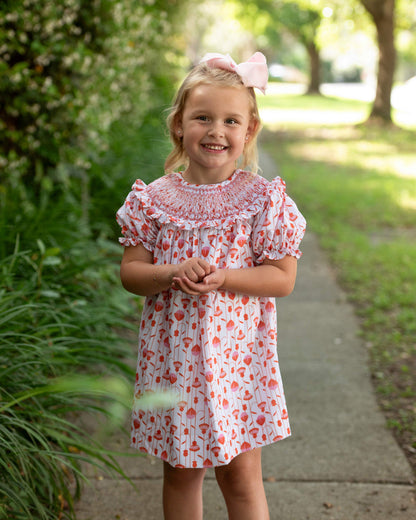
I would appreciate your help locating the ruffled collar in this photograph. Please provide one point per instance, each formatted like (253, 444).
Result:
(171, 198)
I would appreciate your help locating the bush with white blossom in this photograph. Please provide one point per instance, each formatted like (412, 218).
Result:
(68, 69)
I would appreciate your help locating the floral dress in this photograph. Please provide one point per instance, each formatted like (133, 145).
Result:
(217, 351)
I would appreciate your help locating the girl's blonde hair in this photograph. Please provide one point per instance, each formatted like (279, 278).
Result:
(204, 74)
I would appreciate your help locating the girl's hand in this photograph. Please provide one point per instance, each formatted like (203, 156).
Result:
(194, 270)
(210, 282)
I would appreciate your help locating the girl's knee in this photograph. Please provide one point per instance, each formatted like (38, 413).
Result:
(241, 483)
(242, 474)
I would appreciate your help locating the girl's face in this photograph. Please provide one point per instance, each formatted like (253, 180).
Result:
(215, 124)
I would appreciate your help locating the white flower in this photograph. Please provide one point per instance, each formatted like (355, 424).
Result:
(16, 78)
(12, 17)
(68, 60)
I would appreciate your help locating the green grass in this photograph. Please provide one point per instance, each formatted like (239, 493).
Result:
(356, 186)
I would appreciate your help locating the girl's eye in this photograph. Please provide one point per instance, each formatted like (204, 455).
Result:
(202, 118)
(231, 121)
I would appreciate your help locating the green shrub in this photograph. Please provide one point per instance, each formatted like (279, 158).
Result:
(45, 49)
(58, 315)
(68, 71)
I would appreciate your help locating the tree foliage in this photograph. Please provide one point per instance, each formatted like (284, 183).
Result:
(297, 18)
(406, 36)
(68, 70)
(303, 22)
(305, 19)
(46, 49)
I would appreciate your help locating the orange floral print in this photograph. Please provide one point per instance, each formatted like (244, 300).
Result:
(216, 351)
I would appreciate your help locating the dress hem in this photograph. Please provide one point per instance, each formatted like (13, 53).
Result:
(144, 451)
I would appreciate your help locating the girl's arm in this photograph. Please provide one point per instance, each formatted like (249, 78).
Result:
(274, 278)
(140, 276)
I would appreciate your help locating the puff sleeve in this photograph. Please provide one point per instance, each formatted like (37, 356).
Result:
(135, 219)
(279, 226)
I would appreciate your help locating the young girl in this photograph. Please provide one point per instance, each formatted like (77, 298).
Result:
(211, 246)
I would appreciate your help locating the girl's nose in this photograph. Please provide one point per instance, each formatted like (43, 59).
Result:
(216, 130)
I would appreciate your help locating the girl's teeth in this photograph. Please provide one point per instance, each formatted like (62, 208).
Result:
(212, 147)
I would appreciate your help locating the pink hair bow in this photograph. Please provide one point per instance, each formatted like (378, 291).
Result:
(254, 72)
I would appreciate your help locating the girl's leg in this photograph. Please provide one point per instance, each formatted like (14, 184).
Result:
(182, 493)
(241, 483)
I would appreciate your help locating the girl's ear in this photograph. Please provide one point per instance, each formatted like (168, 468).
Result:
(177, 126)
(252, 129)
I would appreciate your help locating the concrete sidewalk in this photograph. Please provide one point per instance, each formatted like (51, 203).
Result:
(341, 463)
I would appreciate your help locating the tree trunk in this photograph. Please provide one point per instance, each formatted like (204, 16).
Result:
(382, 12)
(314, 68)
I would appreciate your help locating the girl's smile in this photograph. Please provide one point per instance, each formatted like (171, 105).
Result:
(215, 124)
(214, 147)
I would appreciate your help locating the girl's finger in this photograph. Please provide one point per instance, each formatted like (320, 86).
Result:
(199, 273)
(205, 266)
(185, 285)
(198, 288)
